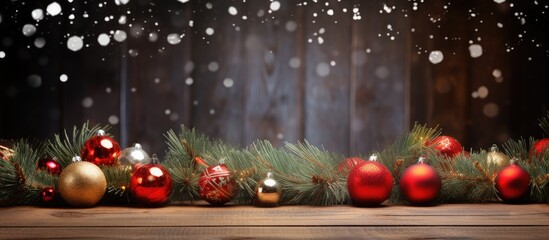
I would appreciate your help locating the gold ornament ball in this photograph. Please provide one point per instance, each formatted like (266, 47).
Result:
(268, 191)
(496, 157)
(82, 184)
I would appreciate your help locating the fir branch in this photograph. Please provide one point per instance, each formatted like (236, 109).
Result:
(321, 183)
(544, 124)
(20, 182)
(65, 147)
(118, 180)
(517, 148)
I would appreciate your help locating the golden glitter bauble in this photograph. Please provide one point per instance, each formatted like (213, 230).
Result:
(82, 184)
(497, 158)
(268, 191)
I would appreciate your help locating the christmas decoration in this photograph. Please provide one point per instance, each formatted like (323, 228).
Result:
(445, 145)
(216, 184)
(82, 184)
(48, 194)
(348, 164)
(100, 149)
(133, 157)
(420, 183)
(268, 191)
(49, 165)
(151, 184)
(6, 150)
(496, 157)
(539, 148)
(369, 183)
(512, 183)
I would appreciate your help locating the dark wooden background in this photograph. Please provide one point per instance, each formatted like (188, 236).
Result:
(377, 88)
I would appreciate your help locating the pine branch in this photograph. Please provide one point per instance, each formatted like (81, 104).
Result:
(319, 181)
(517, 148)
(544, 124)
(65, 147)
(118, 181)
(20, 182)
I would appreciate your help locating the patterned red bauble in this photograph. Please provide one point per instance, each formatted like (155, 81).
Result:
(48, 194)
(369, 183)
(101, 150)
(540, 147)
(420, 184)
(151, 184)
(49, 165)
(513, 183)
(348, 164)
(445, 145)
(217, 185)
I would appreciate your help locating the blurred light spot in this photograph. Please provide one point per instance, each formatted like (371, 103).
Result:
(475, 50)
(213, 66)
(34, 81)
(482, 92)
(228, 83)
(113, 120)
(87, 102)
(322, 69)
(436, 57)
(63, 78)
(491, 110)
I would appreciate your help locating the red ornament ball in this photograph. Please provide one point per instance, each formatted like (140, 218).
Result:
(369, 183)
(446, 145)
(151, 184)
(420, 184)
(48, 194)
(348, 164)
(513, 183)
(101, 150)
(217, 185)
(49, 165)
(540, 147)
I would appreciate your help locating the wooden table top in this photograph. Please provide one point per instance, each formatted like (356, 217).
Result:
(469, 221)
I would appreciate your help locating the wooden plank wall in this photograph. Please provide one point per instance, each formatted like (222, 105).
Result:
(351, 81)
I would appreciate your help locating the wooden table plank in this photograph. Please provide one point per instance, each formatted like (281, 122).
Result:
(222, 232)
(249, 216)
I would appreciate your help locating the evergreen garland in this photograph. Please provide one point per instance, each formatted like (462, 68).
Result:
(308, 174)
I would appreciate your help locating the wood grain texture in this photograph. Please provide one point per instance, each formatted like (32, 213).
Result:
(273, 92)
(218, 110)
(327, 87)
(380, 71)
(471, 221)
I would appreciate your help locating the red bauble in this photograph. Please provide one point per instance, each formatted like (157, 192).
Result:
(512, 183)
(101, 150)
(369, 183)
(48, 194)
(539, 148)
(49, 165)
(420, 184)
(217, 185)
(348, 164)
(446, 145)
(151, 184)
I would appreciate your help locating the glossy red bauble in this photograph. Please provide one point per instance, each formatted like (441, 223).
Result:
(101, 150)
(369, 183)
(217, 185)
(445, 145)
(513, 183)
(151, 184)
(539, 148)
(420, 184)
(49, 165)
(348, 164)
(48, 194)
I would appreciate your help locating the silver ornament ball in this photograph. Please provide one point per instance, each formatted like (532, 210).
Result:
(268, 191)
(134, 156)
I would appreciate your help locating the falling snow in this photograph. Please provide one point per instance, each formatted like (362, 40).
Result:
(53, 9)
(75, 43)
(436, 57)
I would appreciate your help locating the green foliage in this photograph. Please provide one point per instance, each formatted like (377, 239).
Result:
(21, 183)
(544, 124)
(65, 147)
(309, 175)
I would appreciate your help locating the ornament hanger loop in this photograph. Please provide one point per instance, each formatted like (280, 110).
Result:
(154, 159)
(101, 132)
(373, 157)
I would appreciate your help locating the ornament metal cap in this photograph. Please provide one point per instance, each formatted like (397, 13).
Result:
(514, 161)
(494, 148)
(76, 158)
(373, 157)
(137, 145)
(101, 132)
(422, 159)
(154, 159)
